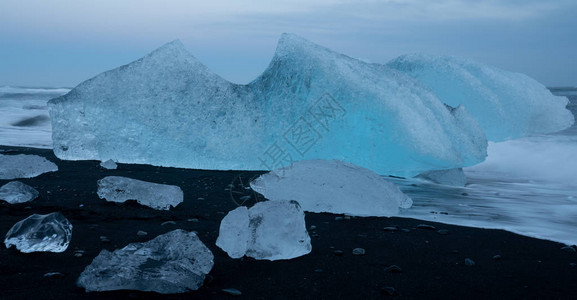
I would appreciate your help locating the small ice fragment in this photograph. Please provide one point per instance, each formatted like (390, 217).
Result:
(40, 233)
(174, 262)
(109, 164)
(333, 186)
(157, 196)
(17, 192)
(24, 166)
(270, 230)
(454, 177)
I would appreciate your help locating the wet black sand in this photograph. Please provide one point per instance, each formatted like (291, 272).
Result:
(433, 264)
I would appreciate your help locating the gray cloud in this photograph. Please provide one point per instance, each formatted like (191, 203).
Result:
(237, 39)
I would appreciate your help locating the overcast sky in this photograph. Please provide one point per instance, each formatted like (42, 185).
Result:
(64, 42)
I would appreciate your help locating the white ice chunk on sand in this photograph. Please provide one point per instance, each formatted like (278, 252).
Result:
(40, 233)
(109, 164)
(175, 262)
(24, 166)
(507, 105)
(169, 109)
(17, 192)
(155, 195)
(270, 230)
(235, 232)
(454, 177)
(333, 186)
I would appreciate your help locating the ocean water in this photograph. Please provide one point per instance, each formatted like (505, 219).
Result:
(527, 186)
(24, 119)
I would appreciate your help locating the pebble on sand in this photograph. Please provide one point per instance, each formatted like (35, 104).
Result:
(232, 292)
(425, 226)
(388, 290)
(393, 269)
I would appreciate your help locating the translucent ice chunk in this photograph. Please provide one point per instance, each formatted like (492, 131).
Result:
(174, 262)
(333, 186)
(506, 104)
(168, 109)
(270, 230)
(234, 232)
(17, 192)
(157, 196)
(454, 177)
(109, 164)
(24, 166)
(40, 233)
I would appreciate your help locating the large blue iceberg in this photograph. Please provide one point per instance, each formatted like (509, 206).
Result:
(507, 105)
(168, 109)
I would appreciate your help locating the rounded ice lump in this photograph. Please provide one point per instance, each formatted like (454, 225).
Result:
(507, 105)
(17, 192)
(168, 109)
(270, 230)
(174, 262)
(333, 186)
(40, 233)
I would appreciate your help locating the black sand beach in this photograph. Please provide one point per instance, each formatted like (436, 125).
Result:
(432, 262)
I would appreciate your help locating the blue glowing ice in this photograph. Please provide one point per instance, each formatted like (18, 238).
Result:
(507, 105)
(310, 103)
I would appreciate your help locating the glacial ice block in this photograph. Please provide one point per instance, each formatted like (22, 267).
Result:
(174, 262)
(40, 233)
(270, 230)
(24, 166)
(17, 192)
(333, 186)
(155, 195)
(507, 105)
(310, 103)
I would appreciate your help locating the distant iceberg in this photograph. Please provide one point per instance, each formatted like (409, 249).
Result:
(507, 105)
(311, 103)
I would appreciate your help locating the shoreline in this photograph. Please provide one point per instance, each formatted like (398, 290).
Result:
(432, 261)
